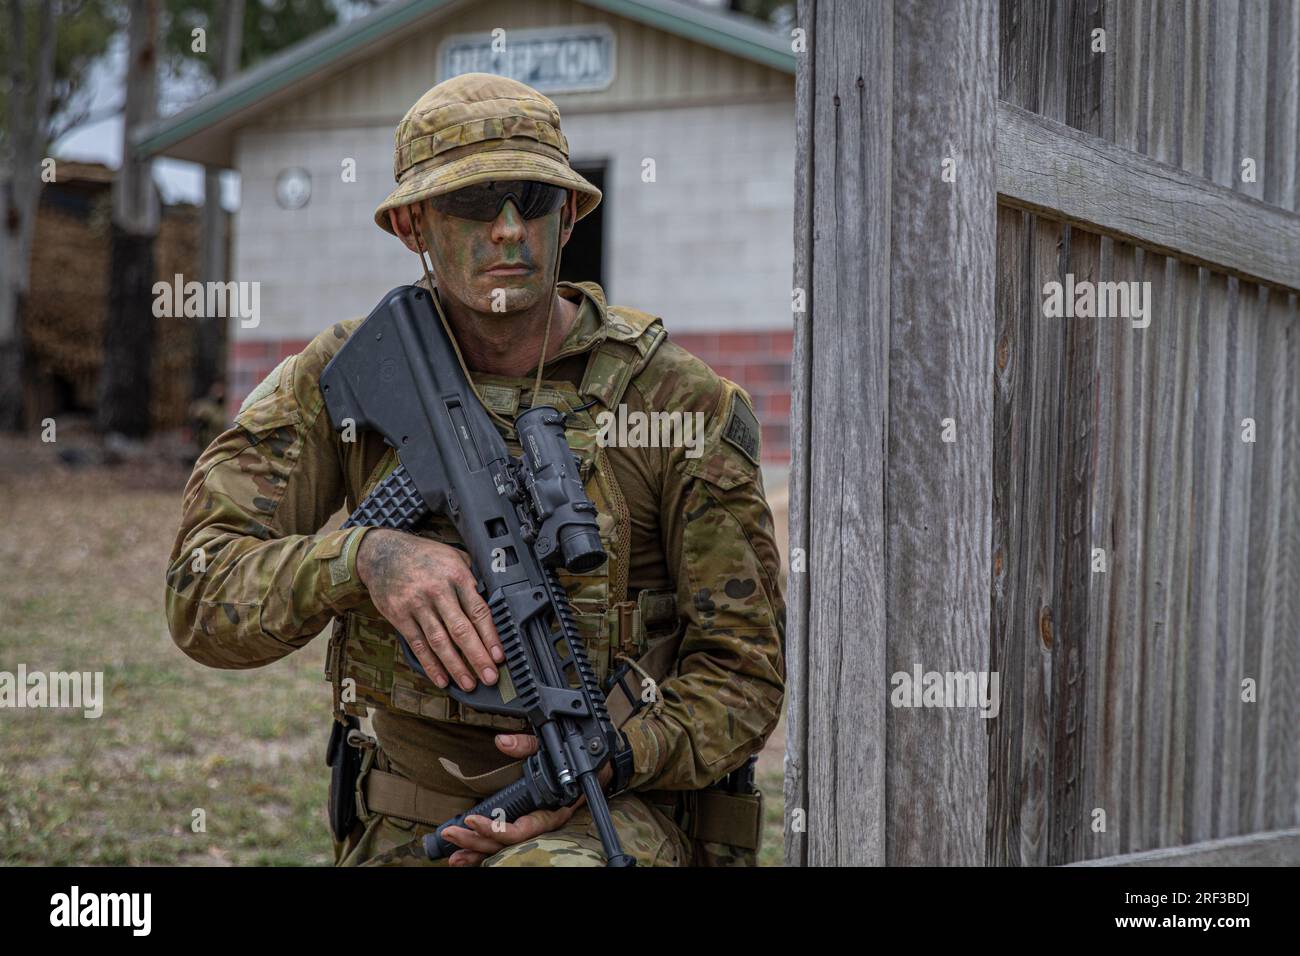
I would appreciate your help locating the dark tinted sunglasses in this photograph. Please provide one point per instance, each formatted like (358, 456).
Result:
(484, 201)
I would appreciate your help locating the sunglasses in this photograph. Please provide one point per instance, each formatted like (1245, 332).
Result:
(483, 202)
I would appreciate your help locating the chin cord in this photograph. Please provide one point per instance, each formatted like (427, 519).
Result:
(546, 334)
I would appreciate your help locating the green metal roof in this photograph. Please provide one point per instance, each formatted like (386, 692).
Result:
(732, 33)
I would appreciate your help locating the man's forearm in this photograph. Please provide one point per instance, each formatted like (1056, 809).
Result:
(237, 601)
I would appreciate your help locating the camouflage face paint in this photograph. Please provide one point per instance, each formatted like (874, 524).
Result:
(463, 251)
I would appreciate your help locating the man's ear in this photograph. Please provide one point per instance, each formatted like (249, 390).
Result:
(400, 220)
(568, 217)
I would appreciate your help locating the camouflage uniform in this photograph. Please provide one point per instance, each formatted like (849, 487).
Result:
(691, 533)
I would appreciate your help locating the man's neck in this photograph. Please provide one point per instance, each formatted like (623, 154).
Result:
(509, 347)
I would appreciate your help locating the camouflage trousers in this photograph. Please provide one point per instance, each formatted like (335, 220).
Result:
(645, 833)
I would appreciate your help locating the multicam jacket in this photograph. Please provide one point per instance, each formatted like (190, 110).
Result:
(253, 577)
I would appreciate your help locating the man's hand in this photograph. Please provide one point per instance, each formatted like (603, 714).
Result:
(481, 836)
(425, 589)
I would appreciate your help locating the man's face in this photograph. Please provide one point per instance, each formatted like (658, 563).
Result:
(496, 267)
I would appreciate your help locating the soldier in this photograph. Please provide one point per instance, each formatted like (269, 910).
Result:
(688, 610)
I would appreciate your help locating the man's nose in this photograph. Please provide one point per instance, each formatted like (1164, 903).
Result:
(509, 223)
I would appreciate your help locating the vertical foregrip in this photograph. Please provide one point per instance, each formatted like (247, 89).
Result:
(395, 503)
(515, 800)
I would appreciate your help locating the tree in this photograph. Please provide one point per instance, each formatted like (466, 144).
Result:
(46, 50)
(218, 39)
(124, 380)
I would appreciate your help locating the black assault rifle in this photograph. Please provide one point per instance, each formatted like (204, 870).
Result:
(399, 375)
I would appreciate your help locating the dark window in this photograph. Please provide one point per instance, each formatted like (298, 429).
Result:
(584, 256)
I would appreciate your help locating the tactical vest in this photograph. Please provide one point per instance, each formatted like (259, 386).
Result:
(364, 648)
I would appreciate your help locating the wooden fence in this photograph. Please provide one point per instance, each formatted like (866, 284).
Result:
(1114, 525)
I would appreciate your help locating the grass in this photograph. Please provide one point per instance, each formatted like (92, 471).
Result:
(85, 552)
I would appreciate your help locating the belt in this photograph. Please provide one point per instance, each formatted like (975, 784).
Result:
(392, 796)
(715, 817)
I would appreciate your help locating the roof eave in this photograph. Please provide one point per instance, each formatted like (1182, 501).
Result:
(197, 132)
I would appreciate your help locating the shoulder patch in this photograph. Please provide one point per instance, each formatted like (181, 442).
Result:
(266, 386)
(742, 429)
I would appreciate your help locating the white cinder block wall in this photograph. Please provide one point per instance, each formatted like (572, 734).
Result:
(708, 245)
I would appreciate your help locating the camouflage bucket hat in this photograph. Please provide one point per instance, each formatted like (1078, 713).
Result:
(476, 128)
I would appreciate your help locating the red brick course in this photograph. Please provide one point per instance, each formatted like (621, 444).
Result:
(757, 361)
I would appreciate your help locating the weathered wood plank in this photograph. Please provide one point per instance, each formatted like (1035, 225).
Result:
(1204, 703)
(1281, 742)
(1281, 156)
(1055, 171)
(1129, 565)
(1278, 848)
(1183, 510)
(849, 327)
(1127, 40)
(1157, 397)
(1252, 94)
(1265, 574)
(1013, 305)
(1039, 540)
(797, 606)
(1073, 571)
(1221, 94)
(1071, 798)
(1195, 64)
(1231, 590)
(941, 354)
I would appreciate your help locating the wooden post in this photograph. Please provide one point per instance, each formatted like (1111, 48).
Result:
(124, 385)
(893, 355)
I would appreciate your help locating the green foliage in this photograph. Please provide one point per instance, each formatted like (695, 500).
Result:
(269, 26)
(82, 31)
(761, 9)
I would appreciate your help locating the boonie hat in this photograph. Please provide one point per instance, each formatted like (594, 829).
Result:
(477, 128)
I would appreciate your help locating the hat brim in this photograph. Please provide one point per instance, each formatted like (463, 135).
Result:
(487, 167)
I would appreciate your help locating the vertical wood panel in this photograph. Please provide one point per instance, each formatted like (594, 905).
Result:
(1279, 741)
(797, 604)
(1008, 642)
(1201, 530)
(941, 354)
(1261, 562)
(1282, 164)
(1205, 704)
(849, 151)
(1252, 88)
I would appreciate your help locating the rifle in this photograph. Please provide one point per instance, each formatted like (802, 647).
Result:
(400, 375)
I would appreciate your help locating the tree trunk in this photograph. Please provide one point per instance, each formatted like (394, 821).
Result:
(209, 358)
(124, 387)
(29, 120)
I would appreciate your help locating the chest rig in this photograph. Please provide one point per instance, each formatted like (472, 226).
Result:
(365, 662)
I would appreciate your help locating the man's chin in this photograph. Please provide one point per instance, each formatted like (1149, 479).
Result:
(504, 298)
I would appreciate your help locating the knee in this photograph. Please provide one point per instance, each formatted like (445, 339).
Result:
(547, 851)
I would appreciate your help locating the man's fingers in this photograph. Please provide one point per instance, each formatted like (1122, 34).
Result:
(441, 648)
(471, 837)
(465, 636)
(415, 638)
(466, 858)
(480, 615)
(517, 745)
(527, 827)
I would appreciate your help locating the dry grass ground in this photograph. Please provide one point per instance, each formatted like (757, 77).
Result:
(84, 552)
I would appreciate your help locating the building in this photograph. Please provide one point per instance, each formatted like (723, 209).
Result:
(683, 116)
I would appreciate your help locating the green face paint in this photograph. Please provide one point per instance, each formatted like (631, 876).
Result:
(464, 253)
